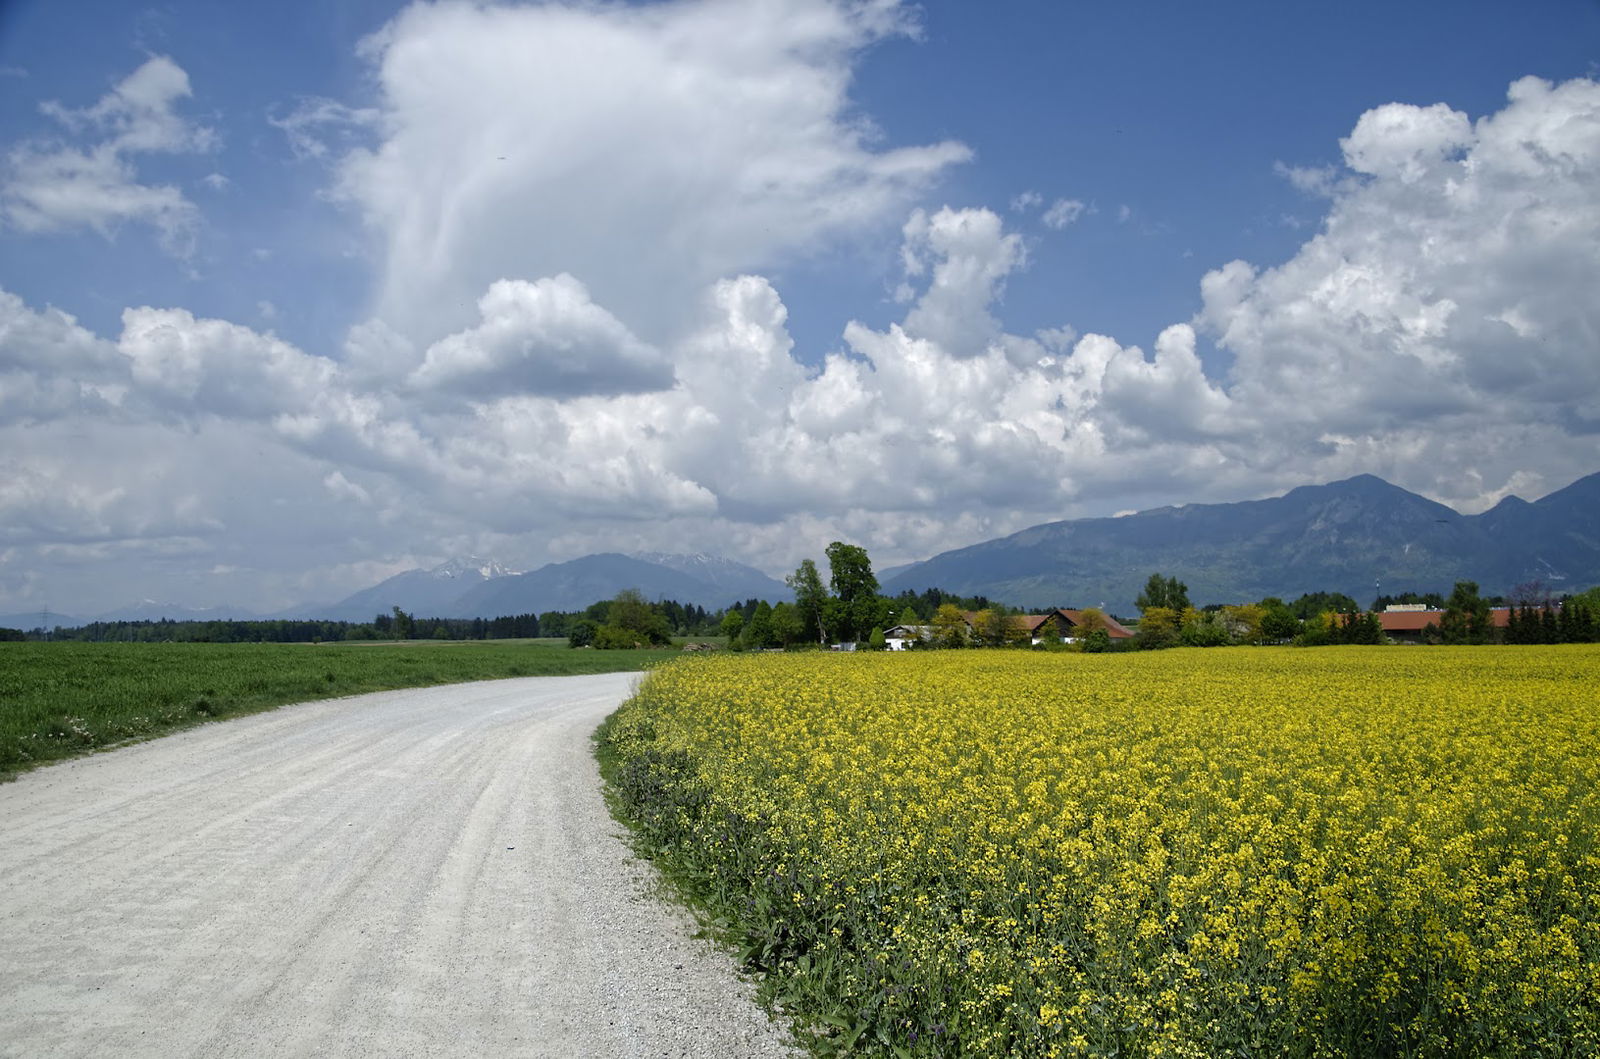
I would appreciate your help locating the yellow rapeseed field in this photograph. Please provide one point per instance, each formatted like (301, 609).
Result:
(1343, 852)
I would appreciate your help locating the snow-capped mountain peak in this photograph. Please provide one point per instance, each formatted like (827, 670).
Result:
(471, 566)
(686, 563)
(726, 574)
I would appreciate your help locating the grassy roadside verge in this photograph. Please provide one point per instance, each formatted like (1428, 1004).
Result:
(657, 795)
(61, 700)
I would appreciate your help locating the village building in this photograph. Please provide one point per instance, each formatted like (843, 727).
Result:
(1061, 625)
(1408, 622)
(903, 636)
(1067, 622)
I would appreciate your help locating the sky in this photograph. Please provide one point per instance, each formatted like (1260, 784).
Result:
(294, 297)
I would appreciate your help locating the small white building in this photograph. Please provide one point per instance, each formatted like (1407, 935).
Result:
(902, 636)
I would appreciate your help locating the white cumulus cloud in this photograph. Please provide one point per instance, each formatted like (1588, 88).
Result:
(646, 150)
(543, 337)
(54, 185)
(1438, 329)
(1447, 304)
(216, 368)
(52, 367)
(966, 256)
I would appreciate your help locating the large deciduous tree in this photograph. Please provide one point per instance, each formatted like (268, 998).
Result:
(810, 599)
(1158, 627)
(758, 632)
(855, 587)
(630, 620)
(1167, 592)
(1466, 616)
(732, 625)
(989, 627)
(949, 627)
(850, 571)
(1278, 622)
(787, 626)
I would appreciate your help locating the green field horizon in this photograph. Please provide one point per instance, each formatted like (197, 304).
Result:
(63, 700)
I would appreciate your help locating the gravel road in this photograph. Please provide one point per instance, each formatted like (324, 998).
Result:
(426, 872)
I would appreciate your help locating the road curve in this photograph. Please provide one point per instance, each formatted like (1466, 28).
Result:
(414, 873)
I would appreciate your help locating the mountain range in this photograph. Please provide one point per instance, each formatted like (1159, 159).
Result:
(477, 589)
(1361, 536)
(144, 610)
(425, 593)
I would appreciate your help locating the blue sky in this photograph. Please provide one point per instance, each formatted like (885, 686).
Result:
(1177, 112)
(361, 286)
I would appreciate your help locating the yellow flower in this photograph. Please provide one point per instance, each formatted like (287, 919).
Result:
(1177, 853)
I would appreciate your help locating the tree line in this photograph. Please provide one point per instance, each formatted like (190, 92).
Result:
(1325, 618)
(845, 607)
(682, 619)
(396, 625)
(848, 607)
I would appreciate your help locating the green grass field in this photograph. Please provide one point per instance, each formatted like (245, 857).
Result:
(60, 700)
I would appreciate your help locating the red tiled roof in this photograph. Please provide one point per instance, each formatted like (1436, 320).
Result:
(1032, 622)
(1417, 620)
(1114, 628)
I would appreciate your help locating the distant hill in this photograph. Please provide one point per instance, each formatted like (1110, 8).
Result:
(475, 588)
(735, 581)
(29, 620)
(701, 580)
(144, 610)
(152, 610)
(425, 593)
(1346, 537)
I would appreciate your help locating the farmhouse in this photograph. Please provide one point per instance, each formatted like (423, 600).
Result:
(902, 636)
(1406, 622)
(1064, 623)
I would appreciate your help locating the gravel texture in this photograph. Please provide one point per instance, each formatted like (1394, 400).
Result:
(411, 873)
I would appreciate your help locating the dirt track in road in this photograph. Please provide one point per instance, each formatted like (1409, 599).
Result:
(411, 873)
